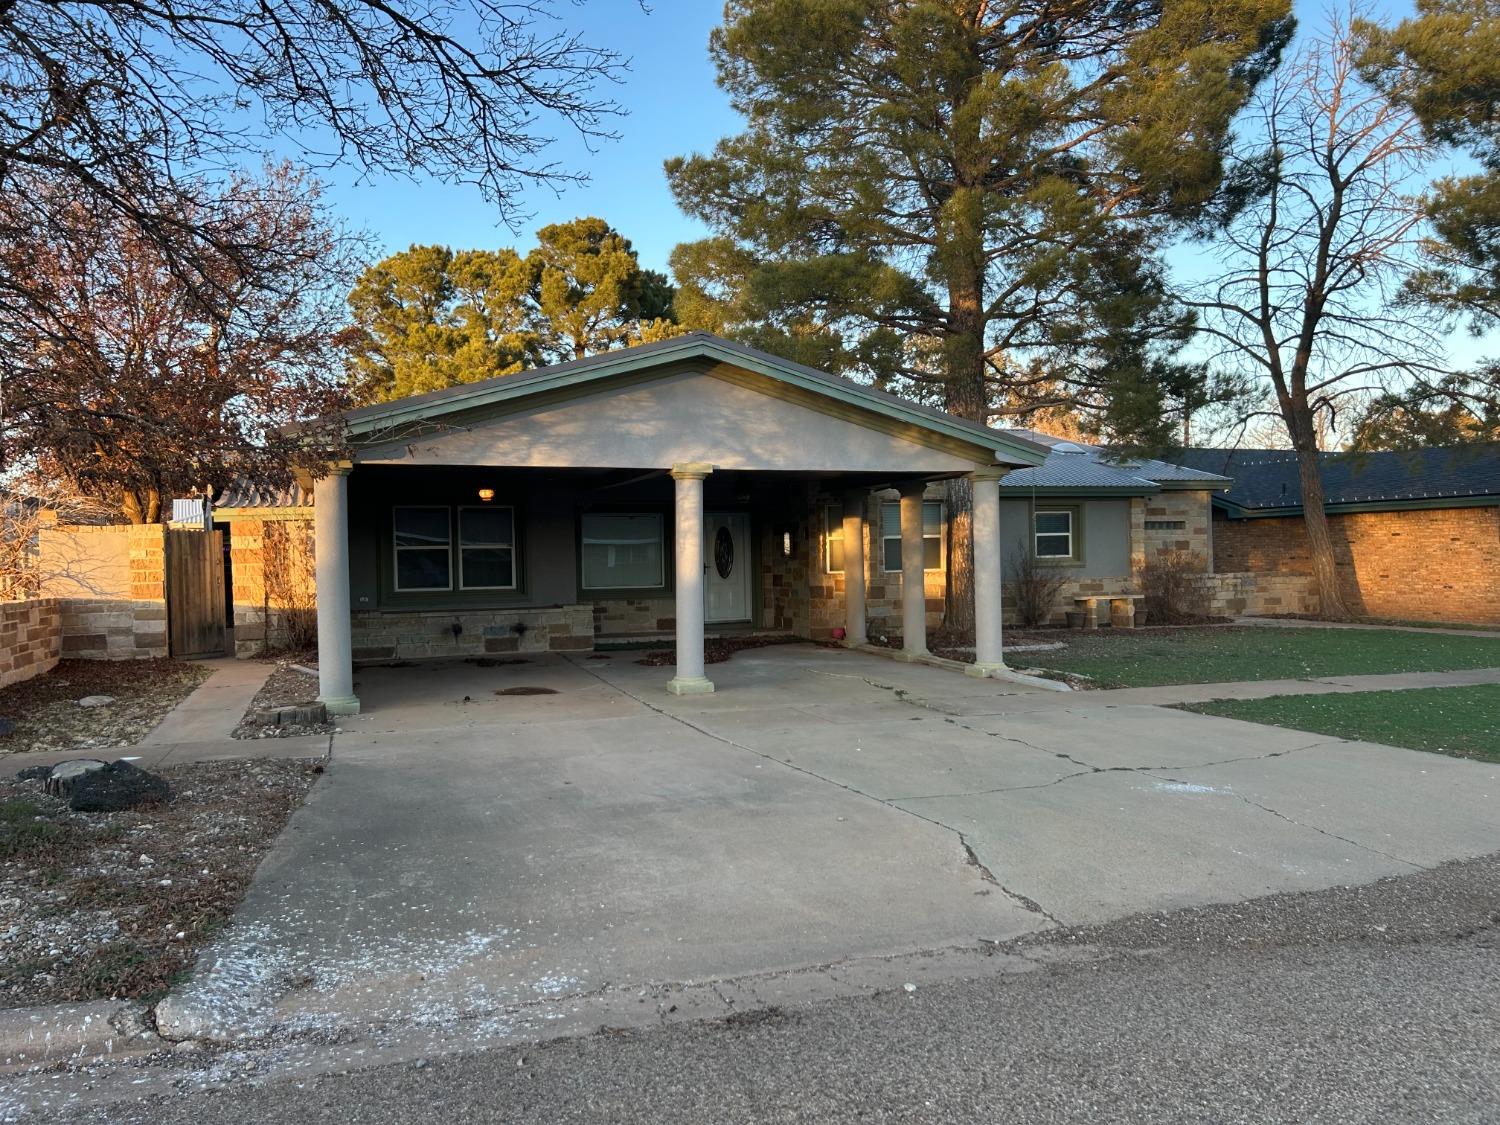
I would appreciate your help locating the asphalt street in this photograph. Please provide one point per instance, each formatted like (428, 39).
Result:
(1375, 1003)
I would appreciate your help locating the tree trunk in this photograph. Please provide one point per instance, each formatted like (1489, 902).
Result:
(1319, 541)
(143, 506)
(965, 397)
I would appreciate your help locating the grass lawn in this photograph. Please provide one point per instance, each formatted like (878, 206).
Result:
(1461, 721)
(1153, 657)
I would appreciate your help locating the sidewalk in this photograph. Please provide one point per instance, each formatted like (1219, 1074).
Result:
(215, 707)
(1260, 689)
(1297, 623)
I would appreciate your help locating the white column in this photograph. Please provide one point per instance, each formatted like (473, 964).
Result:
(690, 679)
(913, 581)
(331, 535)
(854, 567)
(988, 657)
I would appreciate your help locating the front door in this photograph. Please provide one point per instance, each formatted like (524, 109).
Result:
(726, 551)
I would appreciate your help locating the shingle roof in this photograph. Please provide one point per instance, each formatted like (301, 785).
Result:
(1266, 479)
(1074, 465)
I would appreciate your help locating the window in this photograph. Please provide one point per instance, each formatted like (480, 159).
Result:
(1055, 534)
(623, 552)
(487, 548)
(932, 535)
(833, 538)
(1166, 525)
(424, 549)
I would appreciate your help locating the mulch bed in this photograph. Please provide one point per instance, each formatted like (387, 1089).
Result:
(47, 716)
(116, 905)
(285, 688)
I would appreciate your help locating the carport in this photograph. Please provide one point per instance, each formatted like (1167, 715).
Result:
(524, 513)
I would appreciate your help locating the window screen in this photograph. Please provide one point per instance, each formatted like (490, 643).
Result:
(932, 535)
(487, 548)
(424, 555)
(1054, 535)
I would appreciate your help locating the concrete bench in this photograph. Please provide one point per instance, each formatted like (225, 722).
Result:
(1121, 609)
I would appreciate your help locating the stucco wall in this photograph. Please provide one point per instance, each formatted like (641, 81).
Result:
(30, 638)
(1438, 564)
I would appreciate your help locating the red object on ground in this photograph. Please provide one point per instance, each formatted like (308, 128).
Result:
(838, 634)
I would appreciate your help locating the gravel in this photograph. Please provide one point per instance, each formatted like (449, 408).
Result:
(115, 905)
(287, 686)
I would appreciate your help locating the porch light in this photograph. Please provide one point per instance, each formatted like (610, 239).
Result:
(486, 494)
(786, 544)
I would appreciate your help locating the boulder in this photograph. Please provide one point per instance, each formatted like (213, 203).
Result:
(61, 777)
(35, 773)
(96, 701)
(117, 786)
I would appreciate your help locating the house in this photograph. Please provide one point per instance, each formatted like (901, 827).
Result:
(544, 511)
(678, 485)
(1416, 533)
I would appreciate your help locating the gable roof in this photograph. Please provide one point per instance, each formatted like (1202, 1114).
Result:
(577, 375)
(1266, 480)
(1075, 467)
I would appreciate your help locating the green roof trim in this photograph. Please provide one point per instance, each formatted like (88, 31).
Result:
(578, 374)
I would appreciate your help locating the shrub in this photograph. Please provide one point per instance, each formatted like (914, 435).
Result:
(1174, 596)
(1036, 586)
(290, 590)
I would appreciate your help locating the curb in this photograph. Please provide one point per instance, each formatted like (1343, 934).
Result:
(98, 1029)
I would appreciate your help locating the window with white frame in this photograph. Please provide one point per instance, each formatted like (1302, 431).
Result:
(833, 539)
(932, 535)
(623, 551)
(423, 538)
(1056, 533)
(487, 548)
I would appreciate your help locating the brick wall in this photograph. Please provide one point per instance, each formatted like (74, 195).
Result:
(275, 590)
(30, 638)
(110, 584)
(1440, 564)
(394, 635)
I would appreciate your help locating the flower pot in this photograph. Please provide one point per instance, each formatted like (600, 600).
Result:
(1077, 619)
(1140, 618)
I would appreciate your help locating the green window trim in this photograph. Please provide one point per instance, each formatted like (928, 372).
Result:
(1056, 541)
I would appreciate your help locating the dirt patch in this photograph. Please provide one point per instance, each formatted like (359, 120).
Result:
(286, 687)
(526, 691)
(117, 905)
(716, 650)
(47, 716)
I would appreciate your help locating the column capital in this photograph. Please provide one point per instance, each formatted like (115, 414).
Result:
(691, 470)
(338, 468)
(859, 496)
(912, 488)
(989, 472)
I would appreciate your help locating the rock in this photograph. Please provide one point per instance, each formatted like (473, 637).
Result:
(293, 715)
(34, 773)
(62, 777)
(117, 786)
(96, 701)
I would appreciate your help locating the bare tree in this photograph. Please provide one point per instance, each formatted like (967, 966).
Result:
(29, 503)
(137, 112)
(1319, 230)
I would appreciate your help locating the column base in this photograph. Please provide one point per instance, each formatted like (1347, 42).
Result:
(340, 704)
(855, 642)
(690, 685)
(911, 656)
(984, 671)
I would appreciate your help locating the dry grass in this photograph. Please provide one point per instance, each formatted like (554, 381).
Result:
(116, 905)
(47, 716)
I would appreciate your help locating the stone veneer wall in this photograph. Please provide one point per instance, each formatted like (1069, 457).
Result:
(110, 584)
(30, 638)
(633, 616)
(1190, 508)
(400, 635)
(1438, 564)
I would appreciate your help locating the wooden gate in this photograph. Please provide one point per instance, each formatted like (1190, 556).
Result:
(195, 592)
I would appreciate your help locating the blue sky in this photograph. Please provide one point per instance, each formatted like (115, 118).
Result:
(675, 107)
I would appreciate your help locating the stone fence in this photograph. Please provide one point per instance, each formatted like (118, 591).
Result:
(30, 638)
(109, 583)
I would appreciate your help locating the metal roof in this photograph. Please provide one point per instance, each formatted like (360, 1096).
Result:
(1267, 479)
(1073, 465)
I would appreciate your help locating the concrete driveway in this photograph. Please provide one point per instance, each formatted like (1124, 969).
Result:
(471, 854)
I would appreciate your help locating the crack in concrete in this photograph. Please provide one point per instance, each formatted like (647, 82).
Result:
(963, 842)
